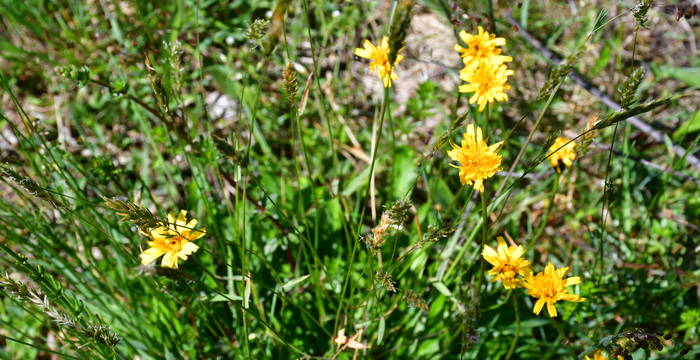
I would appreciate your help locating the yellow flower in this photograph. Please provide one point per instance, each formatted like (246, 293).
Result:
(173, 240)
(550, 286)
(477, 161)
(380, 60)
(507, 263)
(481, 47)
(487, 82)
(565, 155)
(598, 355)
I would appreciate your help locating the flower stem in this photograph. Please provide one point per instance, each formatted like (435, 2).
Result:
(484, 236)
(517, 327)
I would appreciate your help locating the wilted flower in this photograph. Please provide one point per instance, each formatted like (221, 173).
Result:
(173, 240)
(507, 263)
(380, 60)
(481, 47)
(550, 286)
(565, 155)
(477, 160)
(488, 82)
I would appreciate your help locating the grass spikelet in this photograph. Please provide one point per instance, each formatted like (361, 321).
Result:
(413, 299)
(157, 86)
(627, 92)
(86, 330)
(392, 220)
(633, 111)
(29, 185)
(139, 215)
(399, 28)
(385, 281)
(257, 30)
(640, 13)
(559, 73)
(583, 144)
(291, 85)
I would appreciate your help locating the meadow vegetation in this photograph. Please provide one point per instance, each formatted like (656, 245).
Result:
(210, 179)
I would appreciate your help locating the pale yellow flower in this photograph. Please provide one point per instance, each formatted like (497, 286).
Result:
(477, 160)
(507, 263)
(173, 241)
(482, 46)
(379, 56)
(488, 82)
(549, 287)
(565, 155)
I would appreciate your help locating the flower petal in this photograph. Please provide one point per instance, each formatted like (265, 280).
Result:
(150, 255)
(551, 309)
(538, 306)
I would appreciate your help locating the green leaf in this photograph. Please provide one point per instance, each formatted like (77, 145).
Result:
(690, 126)
(291, 283)
(689, 76)
(403, 172)
(380, 331)
(439, 286)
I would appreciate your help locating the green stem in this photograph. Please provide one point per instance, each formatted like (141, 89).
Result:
(346, 281)
(484, 237)
(516, 336)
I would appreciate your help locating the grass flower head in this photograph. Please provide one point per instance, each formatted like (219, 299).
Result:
(507, 263)
(565, 155)
(549, 287)
(477, 160)
(379, 56)
(173, 241)
(482, 46)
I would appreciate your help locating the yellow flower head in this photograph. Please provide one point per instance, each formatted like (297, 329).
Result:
(173, 240)
(488, 82)
(380, 60)
(507, 263)
(565, 155)
(481, 47)
(550, 286)
(598, 355)
(477, 161)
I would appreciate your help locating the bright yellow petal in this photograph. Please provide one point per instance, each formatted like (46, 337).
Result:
(196, 234)
(151, 255)
(538, 306)
(551, 309)
(572, 281)
(187, 249)
(169, 260)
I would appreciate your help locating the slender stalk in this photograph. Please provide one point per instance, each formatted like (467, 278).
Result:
(484, 237)
(346, 281)
(516, 336)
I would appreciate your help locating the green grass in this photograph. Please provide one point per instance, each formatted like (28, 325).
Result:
(178, 105)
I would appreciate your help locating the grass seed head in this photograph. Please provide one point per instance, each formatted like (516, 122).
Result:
(399, 28)
(626, 93)
(290, 84)
(29, 185)
(139, 215)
